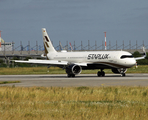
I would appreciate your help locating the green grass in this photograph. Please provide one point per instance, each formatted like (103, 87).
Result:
(31, 70)
(7, 82)
(76, 103)
(56, 70)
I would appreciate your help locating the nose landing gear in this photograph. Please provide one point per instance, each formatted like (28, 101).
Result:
(122, 72)
(123, 75)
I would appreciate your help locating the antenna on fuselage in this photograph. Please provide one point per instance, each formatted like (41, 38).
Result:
(105, 41)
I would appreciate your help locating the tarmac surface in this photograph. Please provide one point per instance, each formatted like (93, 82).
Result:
(61, 80)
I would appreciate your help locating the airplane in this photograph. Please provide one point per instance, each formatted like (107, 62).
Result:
(74, 62)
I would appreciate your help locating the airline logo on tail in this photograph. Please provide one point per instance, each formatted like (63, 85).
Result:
(47, 43)
(46, 39)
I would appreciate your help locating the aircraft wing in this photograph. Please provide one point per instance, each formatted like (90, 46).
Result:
(143, 57)
(140, 58)
(49, 62)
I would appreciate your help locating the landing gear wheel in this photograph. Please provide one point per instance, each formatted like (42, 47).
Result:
(123, 74)
(99, 73)
(73, 75)
(70, 75)
(102, 73)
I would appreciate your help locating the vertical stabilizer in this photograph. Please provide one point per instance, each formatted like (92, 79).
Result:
(47, 43)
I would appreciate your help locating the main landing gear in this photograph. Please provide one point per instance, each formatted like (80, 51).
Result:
(101, 73)
(70, 75)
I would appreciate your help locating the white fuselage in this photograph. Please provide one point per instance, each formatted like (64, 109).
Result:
(74, 62)
(109, 58)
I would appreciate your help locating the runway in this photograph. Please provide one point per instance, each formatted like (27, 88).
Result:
(61, 80)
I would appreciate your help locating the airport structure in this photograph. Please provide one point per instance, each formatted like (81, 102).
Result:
(9, 48)
(5, 46)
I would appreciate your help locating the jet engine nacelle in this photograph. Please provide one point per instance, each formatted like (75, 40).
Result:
(119, 71)
(73, 69)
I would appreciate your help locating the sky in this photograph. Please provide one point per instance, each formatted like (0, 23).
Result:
(74, 20)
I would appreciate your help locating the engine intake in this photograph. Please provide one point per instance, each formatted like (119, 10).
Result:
(73, 69)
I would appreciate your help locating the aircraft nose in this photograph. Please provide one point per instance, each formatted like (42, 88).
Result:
(132, 62)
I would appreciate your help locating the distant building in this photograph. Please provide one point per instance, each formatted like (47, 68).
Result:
(6, 46)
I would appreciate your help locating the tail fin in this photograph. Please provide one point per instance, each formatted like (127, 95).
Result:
(47, 43)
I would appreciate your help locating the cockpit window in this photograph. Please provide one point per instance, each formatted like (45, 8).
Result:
(126, 56)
